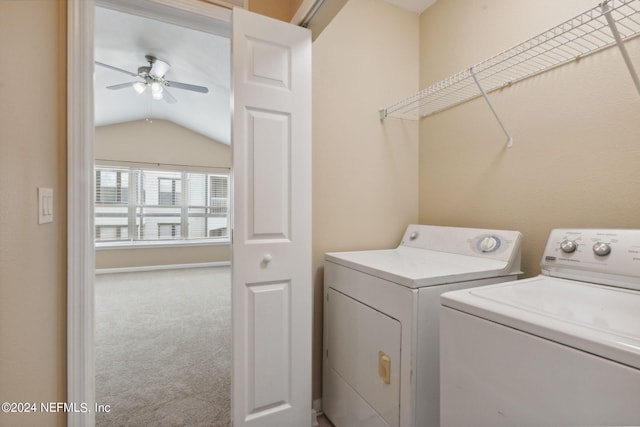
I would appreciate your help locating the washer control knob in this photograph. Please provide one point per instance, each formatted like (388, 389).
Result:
(568, 246)
(601, 249)
(413, 236)
(488, 243)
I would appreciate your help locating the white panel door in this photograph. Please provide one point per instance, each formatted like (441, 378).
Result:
(271, 253)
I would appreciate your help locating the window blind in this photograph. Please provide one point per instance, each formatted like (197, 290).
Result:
(136, 204)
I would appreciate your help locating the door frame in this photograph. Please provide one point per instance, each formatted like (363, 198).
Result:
(80, 159)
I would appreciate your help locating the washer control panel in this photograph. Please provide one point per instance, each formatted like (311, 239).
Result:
(607, 256)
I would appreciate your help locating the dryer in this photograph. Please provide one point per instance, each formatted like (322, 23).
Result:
(380, 351)
(562, 348)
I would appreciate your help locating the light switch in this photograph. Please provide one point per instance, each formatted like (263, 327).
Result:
(45, 205)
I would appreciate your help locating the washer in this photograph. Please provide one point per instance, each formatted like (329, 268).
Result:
(562, 348)
(381, 357)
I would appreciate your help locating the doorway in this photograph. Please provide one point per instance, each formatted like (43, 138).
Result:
(162, 221)
(272, 62)
(81, 230)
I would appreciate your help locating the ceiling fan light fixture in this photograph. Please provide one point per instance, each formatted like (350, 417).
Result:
(159, 68)
(139, 87)
(156, 90)
(153, 76)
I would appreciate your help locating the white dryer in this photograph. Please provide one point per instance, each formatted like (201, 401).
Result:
(381, 356)
(560, 349)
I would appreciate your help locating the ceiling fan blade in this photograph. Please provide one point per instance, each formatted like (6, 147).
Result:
(166, 95)
(102, 64)
(186, 86)
(121, 85)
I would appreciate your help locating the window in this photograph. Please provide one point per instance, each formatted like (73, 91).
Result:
(169, 191)
(219, 192)
(111, 232)
(168, 231)
(135, 204)
(112, 186)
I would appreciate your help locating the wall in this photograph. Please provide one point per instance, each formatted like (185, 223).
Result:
(324, 16)
(160, 142)
(278, 9)
(365, 171)
(574, 162)
(32, 257)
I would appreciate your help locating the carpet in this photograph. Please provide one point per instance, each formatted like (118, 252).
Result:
(163, 348)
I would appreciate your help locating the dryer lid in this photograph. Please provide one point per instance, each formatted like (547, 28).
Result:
(599, 319)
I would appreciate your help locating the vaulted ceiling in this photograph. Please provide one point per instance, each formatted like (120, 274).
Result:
(195, 57)
(122, 40)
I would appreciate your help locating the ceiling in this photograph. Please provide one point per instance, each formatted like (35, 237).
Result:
(123, 39)
(417, 6)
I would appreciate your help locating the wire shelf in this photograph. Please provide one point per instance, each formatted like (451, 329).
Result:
(575, 38)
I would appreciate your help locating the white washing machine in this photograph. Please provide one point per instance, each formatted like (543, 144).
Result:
(381, 356)
(559, 349)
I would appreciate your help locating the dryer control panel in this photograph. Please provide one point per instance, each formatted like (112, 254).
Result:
(503, 245)
(603, 256)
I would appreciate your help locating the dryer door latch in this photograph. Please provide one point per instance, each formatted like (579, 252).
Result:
(384, 367)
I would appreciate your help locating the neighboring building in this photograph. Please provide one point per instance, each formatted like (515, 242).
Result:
(133, 204)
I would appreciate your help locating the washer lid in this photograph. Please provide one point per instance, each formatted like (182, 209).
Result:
(599, 319)
(414, 267)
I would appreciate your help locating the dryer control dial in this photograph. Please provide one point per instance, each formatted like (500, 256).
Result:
(568, 246)
(489, 244)
(601, 249)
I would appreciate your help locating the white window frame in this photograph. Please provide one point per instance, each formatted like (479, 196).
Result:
(183, 209)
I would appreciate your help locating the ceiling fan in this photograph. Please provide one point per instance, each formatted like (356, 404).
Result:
(152, 76)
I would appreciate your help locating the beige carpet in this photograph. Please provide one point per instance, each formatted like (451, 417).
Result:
(163, 348)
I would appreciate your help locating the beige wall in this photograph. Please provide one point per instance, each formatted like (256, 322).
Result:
(159, 256)
(365, 172)
(574, 162)
(278, 9)
(159, 141)
(165, 143)
(32, 257)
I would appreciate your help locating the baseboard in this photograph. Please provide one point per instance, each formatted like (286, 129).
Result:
(162, 267)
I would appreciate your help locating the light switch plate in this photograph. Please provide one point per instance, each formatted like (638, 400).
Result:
(45, 205)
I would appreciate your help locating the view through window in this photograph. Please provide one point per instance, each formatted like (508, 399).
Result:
(136, 204)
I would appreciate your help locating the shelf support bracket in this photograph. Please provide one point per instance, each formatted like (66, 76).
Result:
(486, 98)
(606, 10)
